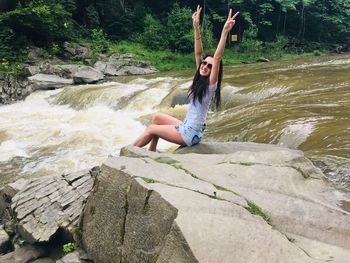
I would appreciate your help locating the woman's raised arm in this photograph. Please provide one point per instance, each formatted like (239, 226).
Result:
(198, 46)
(230, 22)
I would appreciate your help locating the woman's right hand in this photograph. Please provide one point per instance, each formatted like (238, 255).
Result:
(196, 16)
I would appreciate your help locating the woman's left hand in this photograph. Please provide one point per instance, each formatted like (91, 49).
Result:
(230, 22)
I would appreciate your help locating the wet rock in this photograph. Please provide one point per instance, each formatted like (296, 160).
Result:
(75, 51)
(134, 70)
(100, 66)
(123, 68)
(77, 256)
(25, 254)
(64, 70)
(12, 88)
(116, 56)
(6, 194)
(44, 260)
(214, 207)
(121, 65)
(31, 70)
(262, 59)
(46, 81)
(86, 75)
(35, 53)
(47, 204)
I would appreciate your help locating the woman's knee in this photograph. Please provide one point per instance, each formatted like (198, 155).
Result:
(150, 129)
(156, 117)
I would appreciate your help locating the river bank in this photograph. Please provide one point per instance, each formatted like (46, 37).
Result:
(65, 60)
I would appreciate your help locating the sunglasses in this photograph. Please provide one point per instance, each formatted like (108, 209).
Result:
(205, 63)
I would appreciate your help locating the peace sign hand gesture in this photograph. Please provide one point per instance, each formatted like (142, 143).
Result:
(196, 16)
(230, 22)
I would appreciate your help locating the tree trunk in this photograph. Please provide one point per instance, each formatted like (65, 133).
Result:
(278, 21)
(301, 21)
(284, 22)
(304, 26)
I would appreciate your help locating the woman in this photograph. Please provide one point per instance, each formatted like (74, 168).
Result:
(205, 84)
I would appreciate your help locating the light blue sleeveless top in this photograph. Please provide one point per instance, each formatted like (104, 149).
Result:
(197, 112)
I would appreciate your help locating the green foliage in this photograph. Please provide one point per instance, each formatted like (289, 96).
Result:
(153, 34)
(207, 36)
(99, 42)
(163, 60)
(39, 22)
(13, 68)
(250, 44)
(68, 248)
(276, 48)
(263, 27)
(179, 29)
(93, 20)
(21, 242)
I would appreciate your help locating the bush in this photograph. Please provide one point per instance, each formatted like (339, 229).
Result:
(207, 35)
(99, 42)
(37, 22)
(249, 43)
(179, 28)
(275, 48)
(153, 34)
(68, 248)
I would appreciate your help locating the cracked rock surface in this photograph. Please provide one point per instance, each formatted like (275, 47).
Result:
(233, 202)
(48, 203)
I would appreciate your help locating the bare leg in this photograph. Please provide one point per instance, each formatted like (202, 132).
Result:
(161, 119)
(166, 132)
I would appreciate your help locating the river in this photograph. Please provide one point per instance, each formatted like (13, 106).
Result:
(302, 104)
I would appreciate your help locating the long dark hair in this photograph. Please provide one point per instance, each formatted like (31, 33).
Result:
(200, 85)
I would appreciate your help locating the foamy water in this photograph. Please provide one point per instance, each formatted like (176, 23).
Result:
(76, 128)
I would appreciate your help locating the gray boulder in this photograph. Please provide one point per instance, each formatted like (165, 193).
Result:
(6, 194)
(75, 51)
(12, 88)
(30, 70)
(43, 260)
(47, 204)
(25, 254)
(262, 59)
(35, 53)
(238, 203)
(77, 256)
(86, 75)
(118, 65)
(116, 56)
(46, 81)
(61, 70)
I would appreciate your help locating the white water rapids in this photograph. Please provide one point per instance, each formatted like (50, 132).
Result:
(93, 122)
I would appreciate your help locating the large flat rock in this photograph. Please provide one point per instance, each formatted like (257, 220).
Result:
(47, 81)
(235, 203)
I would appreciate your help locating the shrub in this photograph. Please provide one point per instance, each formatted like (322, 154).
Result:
(153, 36)
(68, 248)
(99, 42)
(179, 26)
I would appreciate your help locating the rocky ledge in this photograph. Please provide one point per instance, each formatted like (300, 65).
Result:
(41, 74)
(214, 202)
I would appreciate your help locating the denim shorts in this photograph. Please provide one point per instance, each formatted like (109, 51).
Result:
(191, 134)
